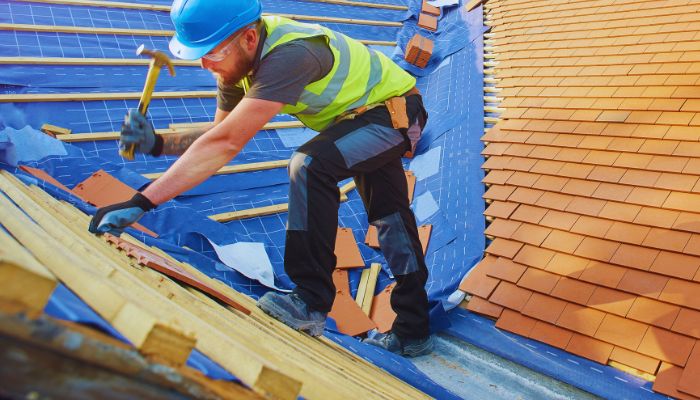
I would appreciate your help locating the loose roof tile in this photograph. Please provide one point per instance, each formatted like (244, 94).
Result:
(635, 360)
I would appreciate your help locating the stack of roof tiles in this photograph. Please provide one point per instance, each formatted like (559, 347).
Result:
(593, 183)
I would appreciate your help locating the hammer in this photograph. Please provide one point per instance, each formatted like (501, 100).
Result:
(158, 59)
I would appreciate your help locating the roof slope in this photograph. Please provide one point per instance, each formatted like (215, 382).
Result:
(165, 320)
(593, 183)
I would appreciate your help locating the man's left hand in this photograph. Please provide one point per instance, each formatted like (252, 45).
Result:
(115, 218)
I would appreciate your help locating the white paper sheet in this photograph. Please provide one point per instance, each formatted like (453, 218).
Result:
(248, 258)
(424, 206)
(426, 164)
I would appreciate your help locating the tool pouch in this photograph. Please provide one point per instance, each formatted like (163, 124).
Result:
(400, 120)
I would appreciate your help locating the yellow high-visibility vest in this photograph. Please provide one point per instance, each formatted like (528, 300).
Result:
(359, 76)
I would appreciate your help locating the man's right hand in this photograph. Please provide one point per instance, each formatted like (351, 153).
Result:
(139, 132)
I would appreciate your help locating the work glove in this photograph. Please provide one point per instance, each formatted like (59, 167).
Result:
(113, 219)
(139, 132)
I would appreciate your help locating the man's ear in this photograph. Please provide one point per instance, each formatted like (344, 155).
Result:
(250, 39)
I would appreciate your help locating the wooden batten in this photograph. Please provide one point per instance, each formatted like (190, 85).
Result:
(22, 271)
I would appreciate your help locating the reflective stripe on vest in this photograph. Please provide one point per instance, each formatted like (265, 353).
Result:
(359, 75)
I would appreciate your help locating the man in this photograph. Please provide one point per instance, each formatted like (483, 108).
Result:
(334, 85)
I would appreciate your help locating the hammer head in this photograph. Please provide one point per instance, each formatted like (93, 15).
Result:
(158, 57)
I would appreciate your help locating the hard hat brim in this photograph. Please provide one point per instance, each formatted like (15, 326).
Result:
(189, 52)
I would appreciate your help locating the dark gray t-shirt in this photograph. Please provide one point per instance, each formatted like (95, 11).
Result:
(282, 74)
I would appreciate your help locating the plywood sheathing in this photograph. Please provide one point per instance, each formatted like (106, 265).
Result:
(593, 181)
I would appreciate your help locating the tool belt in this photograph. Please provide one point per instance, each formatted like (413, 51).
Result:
(399, 118)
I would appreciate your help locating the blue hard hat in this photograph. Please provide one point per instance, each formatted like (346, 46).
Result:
(200, 25)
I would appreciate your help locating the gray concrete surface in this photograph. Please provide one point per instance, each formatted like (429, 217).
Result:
(473, 373)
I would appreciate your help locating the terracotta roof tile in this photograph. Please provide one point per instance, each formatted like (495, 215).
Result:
(606, 174)
(629, 233)
(574, 170)
(676, 182)
(649, 197)
(567, 265)
(550, 183)
(634, 256)
(555, 201)
(625, 145)
(591, 226)
(550, 334)
(547, 167)
(621, 332)
(643, 283)
(573, 290)
(686, 221)
(611, 191)
(668, 163)
(538, 280)
(667, 239)
(500, 227)
(506, 270)
(504, 247)
(683, 201)
(525, 195)
(510, 296)
(654, 312)
(681, 292)
(693, 246)
(635, 360)
(611, 301)
(664, 147)
(543, 308)
(476, 282)
(534, 256)
(619, 211)
(689, 382)
(666, 345)
(657, 217)
(687, 322)
(500, 209)
(481, 306)
(677, 265)
(562, 241)
(585, 206)
(640, 178)
(515, 322)
(580, 319)
(497, 177)
(558, 220)
(531, 234)
(522, 179)
(529, 214)
(631, 160)
(498, 192)
(580, 187)
(597, 249)
(667, 380)
(590, 348)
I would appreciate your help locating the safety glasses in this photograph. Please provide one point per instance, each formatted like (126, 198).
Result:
(226, 50)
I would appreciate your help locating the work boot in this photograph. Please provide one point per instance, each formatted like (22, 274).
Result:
(404, 347)
(293, 311)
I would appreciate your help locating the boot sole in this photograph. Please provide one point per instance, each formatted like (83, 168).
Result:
(314, 329)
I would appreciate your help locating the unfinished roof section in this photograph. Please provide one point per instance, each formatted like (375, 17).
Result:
(593, 183)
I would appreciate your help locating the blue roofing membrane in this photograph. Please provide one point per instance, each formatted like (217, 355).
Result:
(448, 193)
